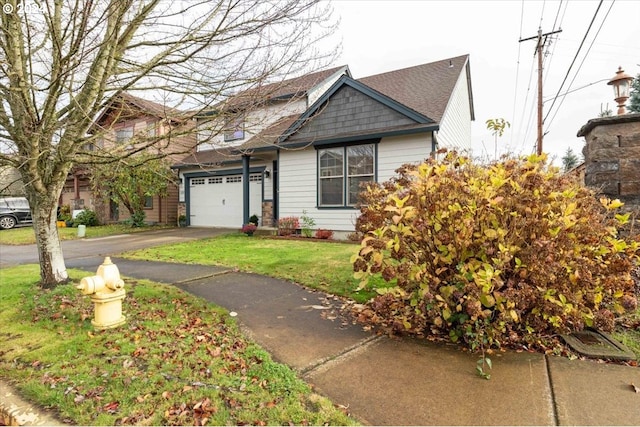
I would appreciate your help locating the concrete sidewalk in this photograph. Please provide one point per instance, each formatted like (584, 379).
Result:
(386, 381)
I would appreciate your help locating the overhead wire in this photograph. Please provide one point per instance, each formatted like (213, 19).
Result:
(564, 96)
(549, 55)
(574, 59)
(527, 122)
(515, 89)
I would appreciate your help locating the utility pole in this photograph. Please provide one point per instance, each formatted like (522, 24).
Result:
(538, 51)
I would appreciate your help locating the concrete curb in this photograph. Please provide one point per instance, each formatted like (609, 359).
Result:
(14, 411)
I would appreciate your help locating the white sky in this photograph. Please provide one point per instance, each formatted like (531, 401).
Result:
(379, 36)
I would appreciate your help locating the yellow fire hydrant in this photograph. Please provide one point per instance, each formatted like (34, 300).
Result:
(107, 292)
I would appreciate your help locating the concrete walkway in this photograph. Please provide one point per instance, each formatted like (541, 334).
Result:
(386, 381)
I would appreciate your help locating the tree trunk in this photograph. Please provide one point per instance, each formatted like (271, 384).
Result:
(52, 267)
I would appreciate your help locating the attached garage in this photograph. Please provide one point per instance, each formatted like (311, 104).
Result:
(216, 201)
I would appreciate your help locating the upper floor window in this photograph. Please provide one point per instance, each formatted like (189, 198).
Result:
(234, 131)
(124, 134)
(341, 170)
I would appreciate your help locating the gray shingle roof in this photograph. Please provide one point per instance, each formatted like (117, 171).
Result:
(215, 157)
(424, 88)
(290, 88)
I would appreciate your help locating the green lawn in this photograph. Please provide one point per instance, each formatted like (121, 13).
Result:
(317, 264)
(26, 235)
(177, 361)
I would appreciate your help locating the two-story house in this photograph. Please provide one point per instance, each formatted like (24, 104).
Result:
(312, 141)
(126, 119)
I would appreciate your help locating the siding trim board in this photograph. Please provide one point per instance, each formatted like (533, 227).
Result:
(356, 138)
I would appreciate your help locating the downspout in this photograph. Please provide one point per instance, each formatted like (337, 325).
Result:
(245, 189)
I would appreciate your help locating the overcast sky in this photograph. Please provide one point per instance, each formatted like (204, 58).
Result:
(379, 36)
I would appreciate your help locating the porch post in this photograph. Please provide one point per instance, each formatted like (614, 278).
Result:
(245, 189)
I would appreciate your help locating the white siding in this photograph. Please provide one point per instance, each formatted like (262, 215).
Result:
(267, 193)
(455, 126)
(395, 151)
(298, 179)
(254, 123)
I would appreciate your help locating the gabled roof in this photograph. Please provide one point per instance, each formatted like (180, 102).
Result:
(421, 121)
(128, 107)
(286, 89)
(424, 88)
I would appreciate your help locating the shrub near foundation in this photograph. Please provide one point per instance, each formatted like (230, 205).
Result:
(499, 255)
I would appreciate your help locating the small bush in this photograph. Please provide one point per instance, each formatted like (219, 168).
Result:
(64, 213)
(137, 219)
(288, 225)
(489, 256)
(307, 224)
(86, 217)
(249, 229)
(321, 233)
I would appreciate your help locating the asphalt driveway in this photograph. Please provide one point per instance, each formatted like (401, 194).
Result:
(76, 250)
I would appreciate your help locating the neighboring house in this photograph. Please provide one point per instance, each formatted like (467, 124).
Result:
(11, 182)
(129, 118)
(333, 133)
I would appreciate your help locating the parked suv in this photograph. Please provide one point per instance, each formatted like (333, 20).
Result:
(14, 211)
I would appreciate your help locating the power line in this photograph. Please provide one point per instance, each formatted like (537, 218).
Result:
(539, 47)
(575, 57)
(579, 68)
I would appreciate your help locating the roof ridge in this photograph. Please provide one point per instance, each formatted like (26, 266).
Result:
(433, 63)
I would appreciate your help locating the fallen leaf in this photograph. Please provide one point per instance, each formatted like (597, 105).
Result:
(635, 388)
(166, 394)
(111, 407)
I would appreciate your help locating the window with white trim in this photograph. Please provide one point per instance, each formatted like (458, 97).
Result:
(197, 181)
(255, 177)
(231, 179)
(216, 180)
(341, 170)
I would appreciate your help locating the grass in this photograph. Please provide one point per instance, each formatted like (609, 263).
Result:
(177, 361)
(627, 331)
(321, 265)
(26, 235)
(315, 264)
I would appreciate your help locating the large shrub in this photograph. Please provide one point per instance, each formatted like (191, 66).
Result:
(86, 217)
(493, 255)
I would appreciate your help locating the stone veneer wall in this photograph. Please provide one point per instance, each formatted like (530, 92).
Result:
(267, 214)
(612, 158)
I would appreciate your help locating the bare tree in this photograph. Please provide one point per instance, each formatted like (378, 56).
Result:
(63, 61)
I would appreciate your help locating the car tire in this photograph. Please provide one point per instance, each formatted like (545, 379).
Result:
(7, 222)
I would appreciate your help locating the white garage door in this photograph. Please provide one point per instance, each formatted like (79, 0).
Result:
(217, 201)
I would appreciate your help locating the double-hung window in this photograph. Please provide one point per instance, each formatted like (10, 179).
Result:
(341, 170)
